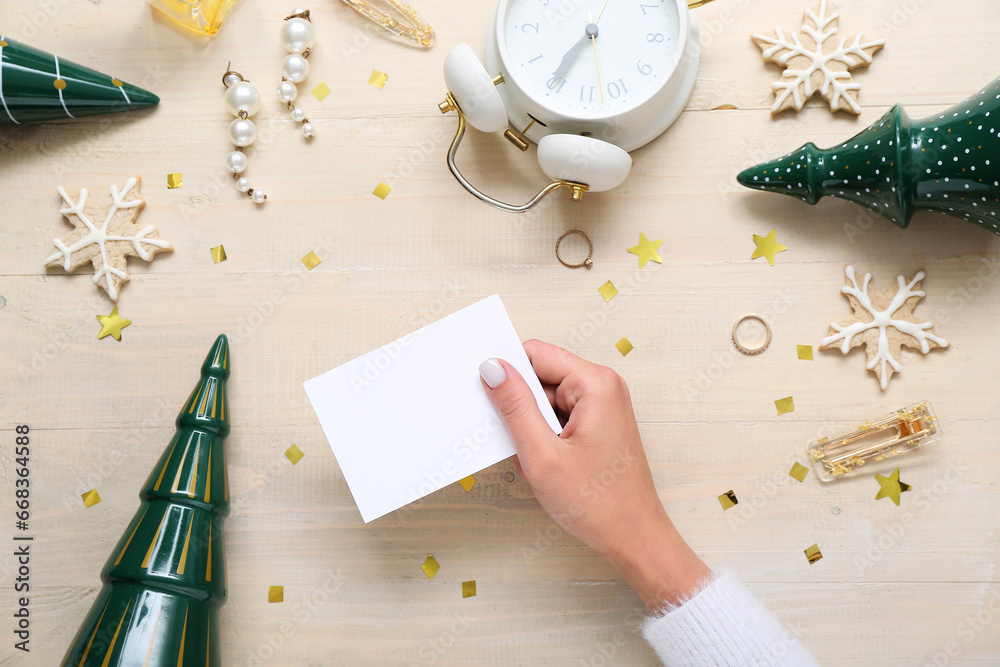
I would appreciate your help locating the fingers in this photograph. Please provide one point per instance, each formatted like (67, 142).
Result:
(516, 405)
(573, 377)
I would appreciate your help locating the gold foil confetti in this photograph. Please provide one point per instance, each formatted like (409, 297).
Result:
(785, 405)
(467, 483)
(218, 254)
(174, 181)
(378, 79)
(805, 352)
(728, 499)
(294, 454)
(381, 190)
(813, 554)
(430, 567)
(646, 250)
(624, 346)
(798, 472)
(608, 290)
(275, 593)
(767, 246)
(112, 325)
(469, 589)
(91, 498)
(321, 91)
(311, 260)
(891, 487)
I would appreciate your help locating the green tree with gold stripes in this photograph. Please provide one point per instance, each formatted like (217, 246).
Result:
(166, 578)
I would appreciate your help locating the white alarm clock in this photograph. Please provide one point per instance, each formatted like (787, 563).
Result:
(587, 80)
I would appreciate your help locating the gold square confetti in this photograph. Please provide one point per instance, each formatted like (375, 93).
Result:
(218, 254)
(275, 593)
(805, 352)
(624, 346)
(608, 290)
(467, 483)
(311, 260)
(381, 190)
(728, 499)
(321, 91)
(798, 472)
(813, 554)
(294, 454)
(785, 405)
(91, 498)
(378, 79)
(174, 180)
(469, 589)
(430, 567)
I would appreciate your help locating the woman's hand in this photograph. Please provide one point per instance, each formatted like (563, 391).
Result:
(594, 479)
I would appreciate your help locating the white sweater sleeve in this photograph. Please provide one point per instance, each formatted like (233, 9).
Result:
(723, 624)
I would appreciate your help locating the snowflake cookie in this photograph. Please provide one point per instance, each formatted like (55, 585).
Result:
(883, 322)
(817, 60)
(106, 235)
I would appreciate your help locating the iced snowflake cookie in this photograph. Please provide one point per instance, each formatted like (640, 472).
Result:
(105, 234)
(883, 322)
(817, 60)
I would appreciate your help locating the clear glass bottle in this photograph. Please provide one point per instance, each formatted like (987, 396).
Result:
(202, 16)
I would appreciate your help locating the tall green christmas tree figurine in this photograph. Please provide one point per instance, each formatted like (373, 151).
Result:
(36, 86)
(166, 579)
(948, 163)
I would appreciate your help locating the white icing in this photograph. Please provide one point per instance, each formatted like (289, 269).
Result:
(2, 98)
(840, 82)
(883, 319)
(99, 236)
(61, 100)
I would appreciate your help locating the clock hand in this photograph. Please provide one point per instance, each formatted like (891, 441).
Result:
(603, 7)
(590, 32)
(600, 86)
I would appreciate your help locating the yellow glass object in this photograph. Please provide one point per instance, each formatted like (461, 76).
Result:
(202, 16)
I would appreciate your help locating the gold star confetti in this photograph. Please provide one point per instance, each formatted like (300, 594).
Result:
(381, 190)
(767, 246)
(469, 589)
(294, 454)
(275, 593)
(608, 290)
(467, 483)
(91, 498)
(218, 254)
(321, 91)
(798, 472)
(785, 405)
(311, 260)
(805, 352)
(646, 250)
(430, 567)
(174, 181)
(728, 499)
(624, 346)
(891, 487)
(378, 79)
(813, 554)
(112, 325)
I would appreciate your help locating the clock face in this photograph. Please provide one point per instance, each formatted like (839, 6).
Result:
(590, 59)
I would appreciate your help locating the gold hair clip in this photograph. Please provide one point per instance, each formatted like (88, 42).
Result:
(896, 433)
(407, 23)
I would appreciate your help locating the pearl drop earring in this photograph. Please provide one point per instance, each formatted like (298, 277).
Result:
(243, 101)
(298, 38)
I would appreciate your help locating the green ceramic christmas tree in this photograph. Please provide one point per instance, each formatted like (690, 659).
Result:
(949, 163)
(36, 86)
(166, 579)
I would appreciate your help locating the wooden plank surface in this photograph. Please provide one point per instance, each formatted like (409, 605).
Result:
(912, 585)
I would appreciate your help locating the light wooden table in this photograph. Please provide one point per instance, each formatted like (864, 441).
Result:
(896, 585)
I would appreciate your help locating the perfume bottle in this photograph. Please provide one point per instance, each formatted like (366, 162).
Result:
(202, 16)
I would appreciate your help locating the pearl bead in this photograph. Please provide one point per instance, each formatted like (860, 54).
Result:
(297, 35)
(298, 115)
(242, 132)
(243, 184)
(287, 92)
(258, 196)
(237, 162)
(295, 68)
(307, 130)
(231, 79)
(242, 97)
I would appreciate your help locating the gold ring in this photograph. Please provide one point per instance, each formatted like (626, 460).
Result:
(587, 263)
(756, 350)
